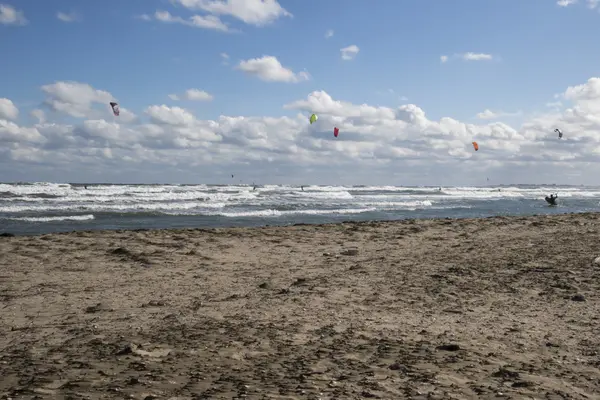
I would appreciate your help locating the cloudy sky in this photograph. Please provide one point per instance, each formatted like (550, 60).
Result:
(210, 88)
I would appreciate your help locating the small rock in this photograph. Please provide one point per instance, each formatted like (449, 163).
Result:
(578, 297)
(449, 347)
(349, 252)
(264, 285)
(397, 366)
(125, 350)
(133, 381)
(299, 281)
(369, 395)
(6, 234)
(550, 344)
(95, 308)
(596, 261)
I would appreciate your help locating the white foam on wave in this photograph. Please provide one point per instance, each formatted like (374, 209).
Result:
(55, 218)
(279, 213)
(108, 207)
(266, 201)
(398, 204)
(340, 194)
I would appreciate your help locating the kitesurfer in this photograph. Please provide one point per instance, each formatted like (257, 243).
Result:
(551, 199)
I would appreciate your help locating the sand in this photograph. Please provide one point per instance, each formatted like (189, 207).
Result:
(427, 309)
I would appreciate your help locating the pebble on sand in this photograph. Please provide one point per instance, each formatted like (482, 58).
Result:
(578, 297)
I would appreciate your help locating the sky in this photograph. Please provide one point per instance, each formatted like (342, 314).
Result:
(211, 88)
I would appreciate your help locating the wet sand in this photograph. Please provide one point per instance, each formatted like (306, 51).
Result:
(430, 309)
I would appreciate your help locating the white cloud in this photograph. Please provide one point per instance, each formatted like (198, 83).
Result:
(469, 56)
(268, 68)
(371, 138)
(329, 33)
(68, 17)
(193, 95)
(252, 12)
(144, 17)
(13, 133)
(38, 114)
(170, 115)
(81, 100)
(591, 4)
(8, 110)
(554, 104)
(348, 53)
(196, 21)
(489, 114)
(224, 58)
(476, 56)
(11, 16)
(74, 98)
(198, 95)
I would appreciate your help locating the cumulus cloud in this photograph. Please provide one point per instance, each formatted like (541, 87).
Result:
(444, 59)
(11, 16)
(565, 3)
(371, 137)
(11, 132)
(81, 100)
(8, 110)
(489, 114)
(269, 69)
(251, 12)
(329, 33)
(196, 21)
(348, 53)
(38, 114)
(68, 17)
(194, 95)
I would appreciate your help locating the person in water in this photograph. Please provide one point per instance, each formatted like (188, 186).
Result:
(552, 199)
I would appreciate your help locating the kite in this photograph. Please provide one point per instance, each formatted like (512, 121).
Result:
(313, 118)
(559, 133)
(115, 108)
(336, 131)
(475, 146)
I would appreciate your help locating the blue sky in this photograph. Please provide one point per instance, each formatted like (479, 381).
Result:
(532, 50)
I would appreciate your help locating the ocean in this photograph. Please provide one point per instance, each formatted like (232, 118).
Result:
(37, 208)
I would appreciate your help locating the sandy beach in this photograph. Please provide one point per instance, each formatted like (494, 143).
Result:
(503, 307)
